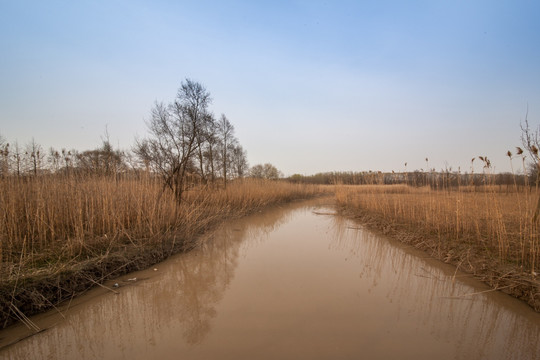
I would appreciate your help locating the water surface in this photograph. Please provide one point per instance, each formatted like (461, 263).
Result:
(292, 282)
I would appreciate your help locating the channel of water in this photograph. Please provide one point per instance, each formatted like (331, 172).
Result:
(291, 282)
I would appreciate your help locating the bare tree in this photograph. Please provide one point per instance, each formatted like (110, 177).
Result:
(530, 138)
(271, 172)
(17, 158)
(54, 159)
(266, 171)
(225, 132)
(4, 157)
(212, 143)
(239, 161)
(104, 160)
(35, 156)
(257, 171)
(67, 157)
(110, 159)
(174, 130)
(206, 139)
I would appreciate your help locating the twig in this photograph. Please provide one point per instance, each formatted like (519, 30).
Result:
(54, 307)
(24, 319)
(323, 213)
(476, 293)
(455, 272)
(103, 286)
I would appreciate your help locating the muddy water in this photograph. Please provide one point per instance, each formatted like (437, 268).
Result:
(289, 283)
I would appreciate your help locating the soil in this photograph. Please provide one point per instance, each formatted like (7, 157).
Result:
(28, 296)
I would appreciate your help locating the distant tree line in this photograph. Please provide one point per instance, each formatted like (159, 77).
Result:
(186, 145)
(215, 161)
(415, 178)
(32, 160)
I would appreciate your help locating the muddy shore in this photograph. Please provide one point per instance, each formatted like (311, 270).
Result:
(30, 295)
(460, 253)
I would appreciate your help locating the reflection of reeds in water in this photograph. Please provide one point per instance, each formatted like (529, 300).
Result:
(429, 293)
(173, 317)
(497, 222)
(178, 308)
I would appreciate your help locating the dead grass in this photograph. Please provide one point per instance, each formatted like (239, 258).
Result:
(61, 235)
(487, 230)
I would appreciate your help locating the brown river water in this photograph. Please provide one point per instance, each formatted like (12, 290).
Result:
(294, 282)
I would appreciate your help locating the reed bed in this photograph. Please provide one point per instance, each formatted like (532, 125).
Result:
(487, 230)
(61, 235)
(50, 220)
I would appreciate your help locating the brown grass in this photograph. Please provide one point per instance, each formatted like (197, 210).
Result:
(487, 230)
(61, 235)
(54, 219)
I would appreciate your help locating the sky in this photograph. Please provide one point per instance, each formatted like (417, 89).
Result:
(310, 86)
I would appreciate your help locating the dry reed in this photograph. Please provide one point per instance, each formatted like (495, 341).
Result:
(62, 235)
(487, 230)
(500, 223)
(52, 222)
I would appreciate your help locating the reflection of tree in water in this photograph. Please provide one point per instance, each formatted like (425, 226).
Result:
(178, 307)
(438, 295)
(197, 281)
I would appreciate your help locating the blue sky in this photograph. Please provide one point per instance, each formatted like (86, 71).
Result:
(310, 86)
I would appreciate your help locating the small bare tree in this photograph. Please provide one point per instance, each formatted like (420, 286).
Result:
(266, 171)
(17, 158)
(239, 161)
(67, 158)
(54, 159)
(4, 157)
(35, 156)
(530, 139)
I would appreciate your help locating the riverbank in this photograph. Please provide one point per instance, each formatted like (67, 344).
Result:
(296, 281)
(483, 231)
(61, 237)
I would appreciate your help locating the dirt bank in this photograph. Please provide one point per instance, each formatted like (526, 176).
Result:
(36, 292)
(29, 295)
(467, 255)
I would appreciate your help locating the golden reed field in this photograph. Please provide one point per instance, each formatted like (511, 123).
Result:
(47, 220)
(60, 235)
